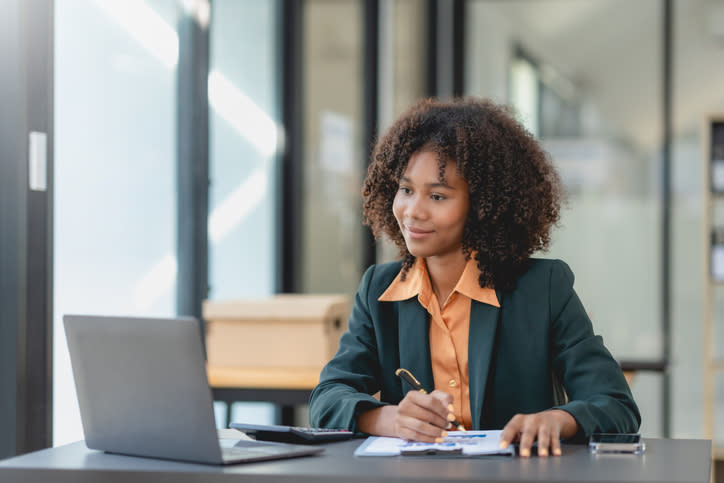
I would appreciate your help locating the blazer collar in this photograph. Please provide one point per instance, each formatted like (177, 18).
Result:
(414, 343)
(417, 283)
(481, 342)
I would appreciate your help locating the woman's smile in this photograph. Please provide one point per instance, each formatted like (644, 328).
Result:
(417, 233)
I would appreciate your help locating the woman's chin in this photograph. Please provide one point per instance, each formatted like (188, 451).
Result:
(416, 251)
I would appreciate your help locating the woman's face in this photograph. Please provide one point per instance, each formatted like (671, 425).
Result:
(431, 213)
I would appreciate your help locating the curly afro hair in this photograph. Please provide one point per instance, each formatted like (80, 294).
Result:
(515, 192)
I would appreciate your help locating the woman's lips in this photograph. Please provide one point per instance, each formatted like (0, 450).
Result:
(417, 233)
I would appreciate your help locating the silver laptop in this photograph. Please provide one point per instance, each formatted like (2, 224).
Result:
(142, 391)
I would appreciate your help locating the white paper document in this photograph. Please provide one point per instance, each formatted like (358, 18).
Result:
(470, 443)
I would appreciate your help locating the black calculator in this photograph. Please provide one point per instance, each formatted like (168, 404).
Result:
(292, 434)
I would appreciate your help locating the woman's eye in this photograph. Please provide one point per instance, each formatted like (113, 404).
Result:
(405, 190)
(437, 197)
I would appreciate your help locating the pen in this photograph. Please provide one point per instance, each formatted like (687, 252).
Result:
(407, 376)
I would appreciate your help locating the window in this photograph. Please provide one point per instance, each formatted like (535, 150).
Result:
(115, 188)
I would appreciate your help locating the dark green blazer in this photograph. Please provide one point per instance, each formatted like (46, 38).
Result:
(518, 356)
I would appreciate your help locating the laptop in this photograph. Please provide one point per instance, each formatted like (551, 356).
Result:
(142, 391)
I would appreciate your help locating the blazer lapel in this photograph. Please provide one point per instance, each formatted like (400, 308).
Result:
(483, 324)
(414, 337)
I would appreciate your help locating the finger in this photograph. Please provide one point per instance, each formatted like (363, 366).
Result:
(444, 398)
(419, 430)
(544, 438)
(528, 435)
(556, 441)
(437, 402)
(410, 408)
(410, 435)
(431, 403)
(511, 431)
(446, 406)
(422, 427)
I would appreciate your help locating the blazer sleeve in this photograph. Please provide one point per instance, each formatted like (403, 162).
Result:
(598, 396)
(348, 380)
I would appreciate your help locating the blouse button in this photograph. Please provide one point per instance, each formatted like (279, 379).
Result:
(453, 383)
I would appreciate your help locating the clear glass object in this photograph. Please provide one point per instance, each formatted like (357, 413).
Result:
(601, 443)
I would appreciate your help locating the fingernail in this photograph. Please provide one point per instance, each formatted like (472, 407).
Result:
(450, 417)
(444, 434)
(557, 451)
(450, 408)
(503, 445)
(438, 440)
(525, 452)
(542, 452)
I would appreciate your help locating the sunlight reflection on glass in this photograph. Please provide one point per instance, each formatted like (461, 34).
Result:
(155, 283)
(242, 114)
(231, 104)
(230, 212)
(146, 27)
(235, 207)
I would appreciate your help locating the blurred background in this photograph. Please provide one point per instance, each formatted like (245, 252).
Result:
(216, 149)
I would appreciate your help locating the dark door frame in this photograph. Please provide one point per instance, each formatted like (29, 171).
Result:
(26, 218)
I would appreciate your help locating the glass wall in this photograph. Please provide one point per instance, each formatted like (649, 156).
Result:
(115, 188)
(244, 98)
(698, 68)
(331, 255)
(595, 101)
(403, 64)
(410, 55)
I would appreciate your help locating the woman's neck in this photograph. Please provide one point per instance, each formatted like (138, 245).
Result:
(445, 271)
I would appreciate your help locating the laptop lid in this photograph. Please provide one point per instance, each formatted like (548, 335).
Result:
(142, 389)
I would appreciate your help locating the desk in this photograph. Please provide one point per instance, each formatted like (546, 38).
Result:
(284, 387)
(665, 460)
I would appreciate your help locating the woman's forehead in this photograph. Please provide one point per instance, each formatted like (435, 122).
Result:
(432, 164)
(431, 157)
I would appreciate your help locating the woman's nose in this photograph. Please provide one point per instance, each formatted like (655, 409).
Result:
(415, 208)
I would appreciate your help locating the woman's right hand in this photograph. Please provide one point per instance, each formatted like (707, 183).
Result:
(418, 417)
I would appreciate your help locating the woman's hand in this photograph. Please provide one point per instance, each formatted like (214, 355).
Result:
(548, 427)
(418, 417)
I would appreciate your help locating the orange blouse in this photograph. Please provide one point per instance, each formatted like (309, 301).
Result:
(449, 328)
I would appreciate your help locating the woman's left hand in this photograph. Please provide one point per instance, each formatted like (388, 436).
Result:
(548, 427)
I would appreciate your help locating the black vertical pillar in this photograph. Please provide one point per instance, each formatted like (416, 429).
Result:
(666, 211)
(446, 48)
(458, 39)
(432, 64)
(371, 56)
(192, 142)
(26, 225)
(290, 177)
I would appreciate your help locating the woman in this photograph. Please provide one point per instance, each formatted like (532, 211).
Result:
(492, 334)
